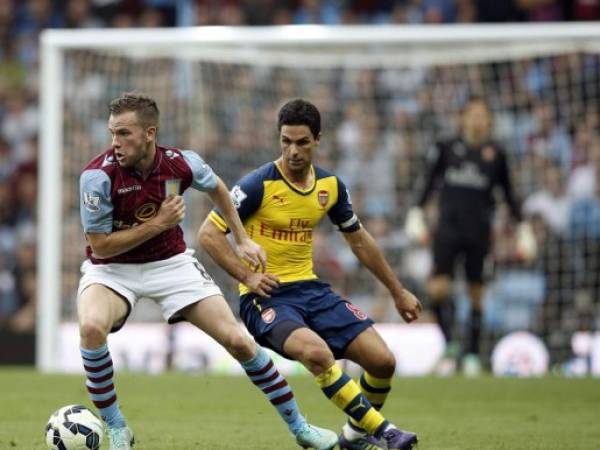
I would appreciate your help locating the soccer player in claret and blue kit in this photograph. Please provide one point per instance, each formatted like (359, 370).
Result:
(280, 204)
(131, 207)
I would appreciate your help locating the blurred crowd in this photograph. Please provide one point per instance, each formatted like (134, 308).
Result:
(378, 124)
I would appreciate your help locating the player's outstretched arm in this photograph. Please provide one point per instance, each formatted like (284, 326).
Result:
(214, 242)
(247, 248)
(107, 245)
(370, 255)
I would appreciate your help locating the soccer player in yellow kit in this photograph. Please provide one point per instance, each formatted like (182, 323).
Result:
(300, 317)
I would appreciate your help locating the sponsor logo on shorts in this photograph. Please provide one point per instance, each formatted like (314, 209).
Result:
(356, 311)
(268, 315)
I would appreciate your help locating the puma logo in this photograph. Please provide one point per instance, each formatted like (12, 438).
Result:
(357, 407)
(280, 200)
(288, 412)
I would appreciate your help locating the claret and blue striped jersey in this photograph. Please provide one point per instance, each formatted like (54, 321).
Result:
(281, 217)
(115, 198)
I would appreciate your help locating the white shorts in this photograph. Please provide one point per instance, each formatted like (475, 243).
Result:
(172, 283)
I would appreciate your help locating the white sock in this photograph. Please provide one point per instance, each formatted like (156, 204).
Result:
(351, 434)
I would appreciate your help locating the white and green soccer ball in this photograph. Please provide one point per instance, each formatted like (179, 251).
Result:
(74, 427)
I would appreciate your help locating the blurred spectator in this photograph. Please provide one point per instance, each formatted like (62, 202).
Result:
(151, 18)
(326, 12)
(78, 14)
(20, 124)
(497, 11)
(35, 15)
(550, 202)
(541, 10)
(581, 9)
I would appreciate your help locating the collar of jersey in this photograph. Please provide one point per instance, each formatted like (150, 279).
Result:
(296, 188)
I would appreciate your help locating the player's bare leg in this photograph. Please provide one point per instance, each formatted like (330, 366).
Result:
(99, 308)
(214, 317)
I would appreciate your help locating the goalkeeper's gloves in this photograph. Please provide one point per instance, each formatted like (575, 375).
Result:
(526, 243)
(415, 227)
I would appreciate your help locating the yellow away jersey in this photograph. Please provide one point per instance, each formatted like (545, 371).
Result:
(281, 217)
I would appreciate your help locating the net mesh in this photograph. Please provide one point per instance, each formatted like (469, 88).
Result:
(378, 121)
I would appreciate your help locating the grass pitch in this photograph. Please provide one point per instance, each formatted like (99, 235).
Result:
(181, 412)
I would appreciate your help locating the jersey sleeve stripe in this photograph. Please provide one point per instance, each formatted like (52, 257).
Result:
(348, 223)
(215, 218)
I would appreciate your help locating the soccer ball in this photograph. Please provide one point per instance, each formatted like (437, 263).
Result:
(74, 427)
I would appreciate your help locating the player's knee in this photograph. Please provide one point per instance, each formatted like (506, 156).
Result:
(92, 332)
(439, 288)
(386, 365)
(317, 358)
(239, 345)
(476, 295)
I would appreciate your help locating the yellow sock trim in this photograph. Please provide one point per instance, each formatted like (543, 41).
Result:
(377, 382)
(329, 377)
(374, 398)
(371, 421)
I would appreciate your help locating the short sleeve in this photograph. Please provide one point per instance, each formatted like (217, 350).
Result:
(203, 177)
(246, 196)
(96, 206)
(341, 214)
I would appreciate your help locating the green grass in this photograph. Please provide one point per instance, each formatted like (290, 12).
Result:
(180, 412)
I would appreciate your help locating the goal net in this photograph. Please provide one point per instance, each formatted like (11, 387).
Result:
(385, 94)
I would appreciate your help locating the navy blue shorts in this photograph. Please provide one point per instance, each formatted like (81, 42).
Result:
(302, 304)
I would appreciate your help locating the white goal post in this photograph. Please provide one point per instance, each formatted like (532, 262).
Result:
(298, 47)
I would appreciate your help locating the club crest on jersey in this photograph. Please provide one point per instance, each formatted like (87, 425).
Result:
(91, 201)
(323, 198)
(358, 313)
(268, 315)
(172, 187)
(488, 153)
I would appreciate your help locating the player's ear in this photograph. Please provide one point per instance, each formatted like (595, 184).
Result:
(318, 138)
(150, 134)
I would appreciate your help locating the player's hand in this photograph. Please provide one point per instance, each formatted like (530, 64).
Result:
(261, 283)
(171, 212)
(254, 254)
(415, 227)
(408, 306)
(526, 243)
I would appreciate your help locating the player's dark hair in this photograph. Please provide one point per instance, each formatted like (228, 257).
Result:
(300, 112)
(144, 106)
